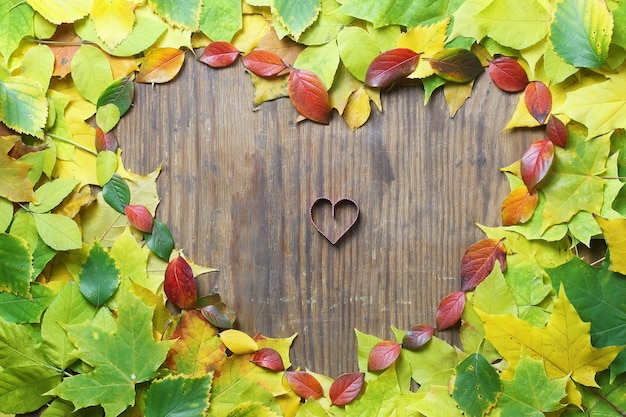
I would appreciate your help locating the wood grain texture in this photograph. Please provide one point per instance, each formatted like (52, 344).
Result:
(237, 184)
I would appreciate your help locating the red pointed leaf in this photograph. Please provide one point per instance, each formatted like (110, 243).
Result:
(538, 100)
(179, 284)
(219, 54)
(383, 355)
(105, 141)
(304, 384)
(450, 310)
(391, 66)
(309, 96)
(556, 130)
(264, 63)
(507, 74)
(417, 337)
(456, 64)
(139, 217)
(268, 358)
(518, 207)
(479, 260)
(346, 388)
(536, 162)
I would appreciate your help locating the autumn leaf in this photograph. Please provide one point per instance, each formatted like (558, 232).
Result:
(417, 337)
(184, 14)
(309, 96)
(139, 217)
(180, 283)
(296, 15)
(479, 260)
(379, 398)
(113, 20)
(238, 342)
(564, 343)
(105, 141)
(346, 388)
(536, 163)
(23, 105)
(383, 355)
(507, 74)
(120, 93)
(268, 358)
(64, 46)
(538, 100)
(178, 395)
(304, 384)
(16, 263)
(59, 11)
(450, 310)
(14, 182)
(357, 109)
(519, 206)
(557, 132)
(161, 65)
(456, 65)
(263, 63)
(219, 54)
(477, 386)
(391, 66)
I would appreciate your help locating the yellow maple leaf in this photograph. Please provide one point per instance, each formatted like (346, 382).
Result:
(564, 343)
(427, 41)
(113, 20)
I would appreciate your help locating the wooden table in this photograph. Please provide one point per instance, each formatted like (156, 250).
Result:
(237, 184)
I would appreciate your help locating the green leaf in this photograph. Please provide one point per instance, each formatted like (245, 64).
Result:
(531, 393)
(184, 14)
(41, 256)
(116, 193)
(179, 395)
(581, 31)
(477, 386)
(122, 354)
(120, 92)
(220, 19)
(327, 25)
(61, 11)
(619, 28)
(132, 261)
(91, 72)
(107, 117)
(59, 232)
(99, 277)
(15, 264)
(160, 241)
(24, 226)
(68, 308)
(408, 13)
(322, 60)
(106, 165)
(379, 397)
(18, 309)
(251, 409)
(51, 194)
(38, 65)
(296, 15)
(17, 23)
(6, 214)
(23, 105)
(357, 50)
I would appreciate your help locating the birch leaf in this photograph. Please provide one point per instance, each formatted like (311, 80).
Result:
(113, 20)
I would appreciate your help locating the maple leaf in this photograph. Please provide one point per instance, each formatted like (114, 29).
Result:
(122, 352)
(564, 343)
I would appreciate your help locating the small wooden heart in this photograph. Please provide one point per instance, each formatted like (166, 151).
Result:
(334, 219)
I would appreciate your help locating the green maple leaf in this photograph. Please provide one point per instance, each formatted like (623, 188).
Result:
(531, 392)
(122, 352)
(574, 183)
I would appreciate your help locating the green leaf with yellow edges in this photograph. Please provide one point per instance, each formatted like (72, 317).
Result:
(113, 20)
(23, 105)
(184, 14)
(296, 15)
(15, 185)
(15, 264)
(220, 19)
(178, 395)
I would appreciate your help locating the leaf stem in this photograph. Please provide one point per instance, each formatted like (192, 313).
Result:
(606, 400)
(61, 43)
(598, 261)
(71, 142)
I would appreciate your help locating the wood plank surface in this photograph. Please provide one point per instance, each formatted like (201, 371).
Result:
(237, 184)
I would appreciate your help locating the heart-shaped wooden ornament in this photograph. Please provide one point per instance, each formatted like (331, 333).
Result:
(334, 219)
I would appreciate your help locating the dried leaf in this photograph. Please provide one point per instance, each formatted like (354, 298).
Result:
(391, 66)
(450, 310)
(536, 163)
(346, 388)
(263, 63)
(538, 100)
(64, 45)
(140, 217)
(268, 358)
(179, 284)
(507, 74)
(479, 260)
(417, 337)
(309, 96)
(161, 65)
(383, 355)
(304, 384)
(219, 54)
(519, 206)
(556, 130)
(456, 65)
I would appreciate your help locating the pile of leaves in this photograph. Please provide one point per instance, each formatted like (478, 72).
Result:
(86, 268)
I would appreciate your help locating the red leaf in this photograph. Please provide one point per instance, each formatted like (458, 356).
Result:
(450, 310)
(417, 337)
(309, 96)
(519, 206)
(456, 64)
(139, 217)
(383, 355)
(179, 284)
(263, 63)
(219, 54)
(556, 130)
(268, 358)
(346, 388)
(536, 162)
(161, 65)
(538, 100)
(507, 74)
(304, 384)
(479, 260)
(105, 141)
(391, 66)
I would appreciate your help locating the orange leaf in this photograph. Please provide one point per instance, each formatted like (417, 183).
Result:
(479, 260)
(268, 358)
(179, 284)
(450, 310)
(538, 100)
(263, 63)
(507, 74)
(518, 207)
(161, 65)
(64, 46)
(556, 130)
(383, 355)
(346, 388)
(219, 54)
(304, 384)
(391, 66)
(536, 162)
(309, 96)
(139, 216)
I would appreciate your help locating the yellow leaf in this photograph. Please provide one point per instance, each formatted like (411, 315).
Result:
(426, 40)
(61, 11)
(161, 65)
(615, 236)
(113, 20)
(238, 342)
(521, 117)
(254, 27)
(122, 66)
(358, 109)
(456, 94)
(564, 343)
